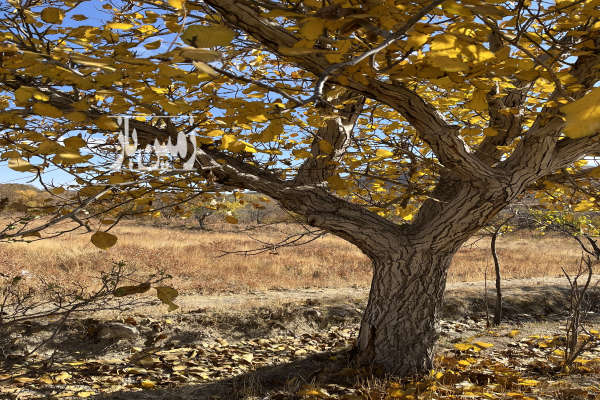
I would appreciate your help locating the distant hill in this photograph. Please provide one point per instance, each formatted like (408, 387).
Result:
(11, 190)
(14, 196)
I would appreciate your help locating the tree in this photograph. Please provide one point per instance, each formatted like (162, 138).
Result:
(496, 227)
(350, 113)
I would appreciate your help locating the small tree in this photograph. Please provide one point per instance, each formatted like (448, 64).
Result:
(497, 227)
(578, 311)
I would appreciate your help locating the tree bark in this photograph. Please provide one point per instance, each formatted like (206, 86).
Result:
(398, 331)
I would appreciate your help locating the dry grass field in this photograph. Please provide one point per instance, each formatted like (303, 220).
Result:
(195, 260)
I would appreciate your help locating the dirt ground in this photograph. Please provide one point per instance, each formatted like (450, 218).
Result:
(274, 344)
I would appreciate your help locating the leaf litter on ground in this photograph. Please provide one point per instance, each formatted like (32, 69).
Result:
(505, 363)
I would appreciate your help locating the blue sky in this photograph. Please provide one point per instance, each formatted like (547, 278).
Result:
(7, 175)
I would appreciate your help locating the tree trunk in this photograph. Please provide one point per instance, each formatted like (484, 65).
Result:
(399, 327)
(398, 330)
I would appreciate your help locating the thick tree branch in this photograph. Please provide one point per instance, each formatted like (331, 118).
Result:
(533, 156)
(429, 123)
(336, 132)
(322, 209)
(507, 124)
(569, 150)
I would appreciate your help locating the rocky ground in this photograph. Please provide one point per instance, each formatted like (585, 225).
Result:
(295, 344)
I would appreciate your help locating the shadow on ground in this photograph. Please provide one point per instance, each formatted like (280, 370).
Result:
(278, 382)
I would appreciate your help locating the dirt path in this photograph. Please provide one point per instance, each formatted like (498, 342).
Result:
(529, 297)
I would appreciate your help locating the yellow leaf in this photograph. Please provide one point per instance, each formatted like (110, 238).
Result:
(312, 28)
(397, 393)
(106, 123)
(274, 130)
(129, 290)
(383, 153)
(584, 205)
(583, 115)
(215, 132)
(416, 39)
(207, 36)
(177, 4)
(21, 165)
(119, 25)
(445, 44)
(204, 55)
(205, 68)
(513, 333)
(10, 154)
(483, 345)
(167, 295)
(85, 394)
(104, 240)
(76, 116)
(52, 15)
(46, 379)
(452, 8)
(46, 110)
(478, 101)
(92, 62)
(40, 96)
(239, 146)
(490, 132)
(447, 64)
(325, 147)
(74, 143)
(23, 94)
(115, 179)
(62, 377)
(301, 153)
(153, 45)
(463, 346)
(257, 118)
(335, 182)
(48, 147)
(227, 140)
(231, 219)
(309, 390)
(148, 384)
(528, 382)
(24, 379)
(470, 131)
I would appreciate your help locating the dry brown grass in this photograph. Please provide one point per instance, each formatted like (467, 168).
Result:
(522, 255)
(191, 257)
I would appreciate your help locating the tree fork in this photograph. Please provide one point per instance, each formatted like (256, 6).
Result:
(399, 327)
